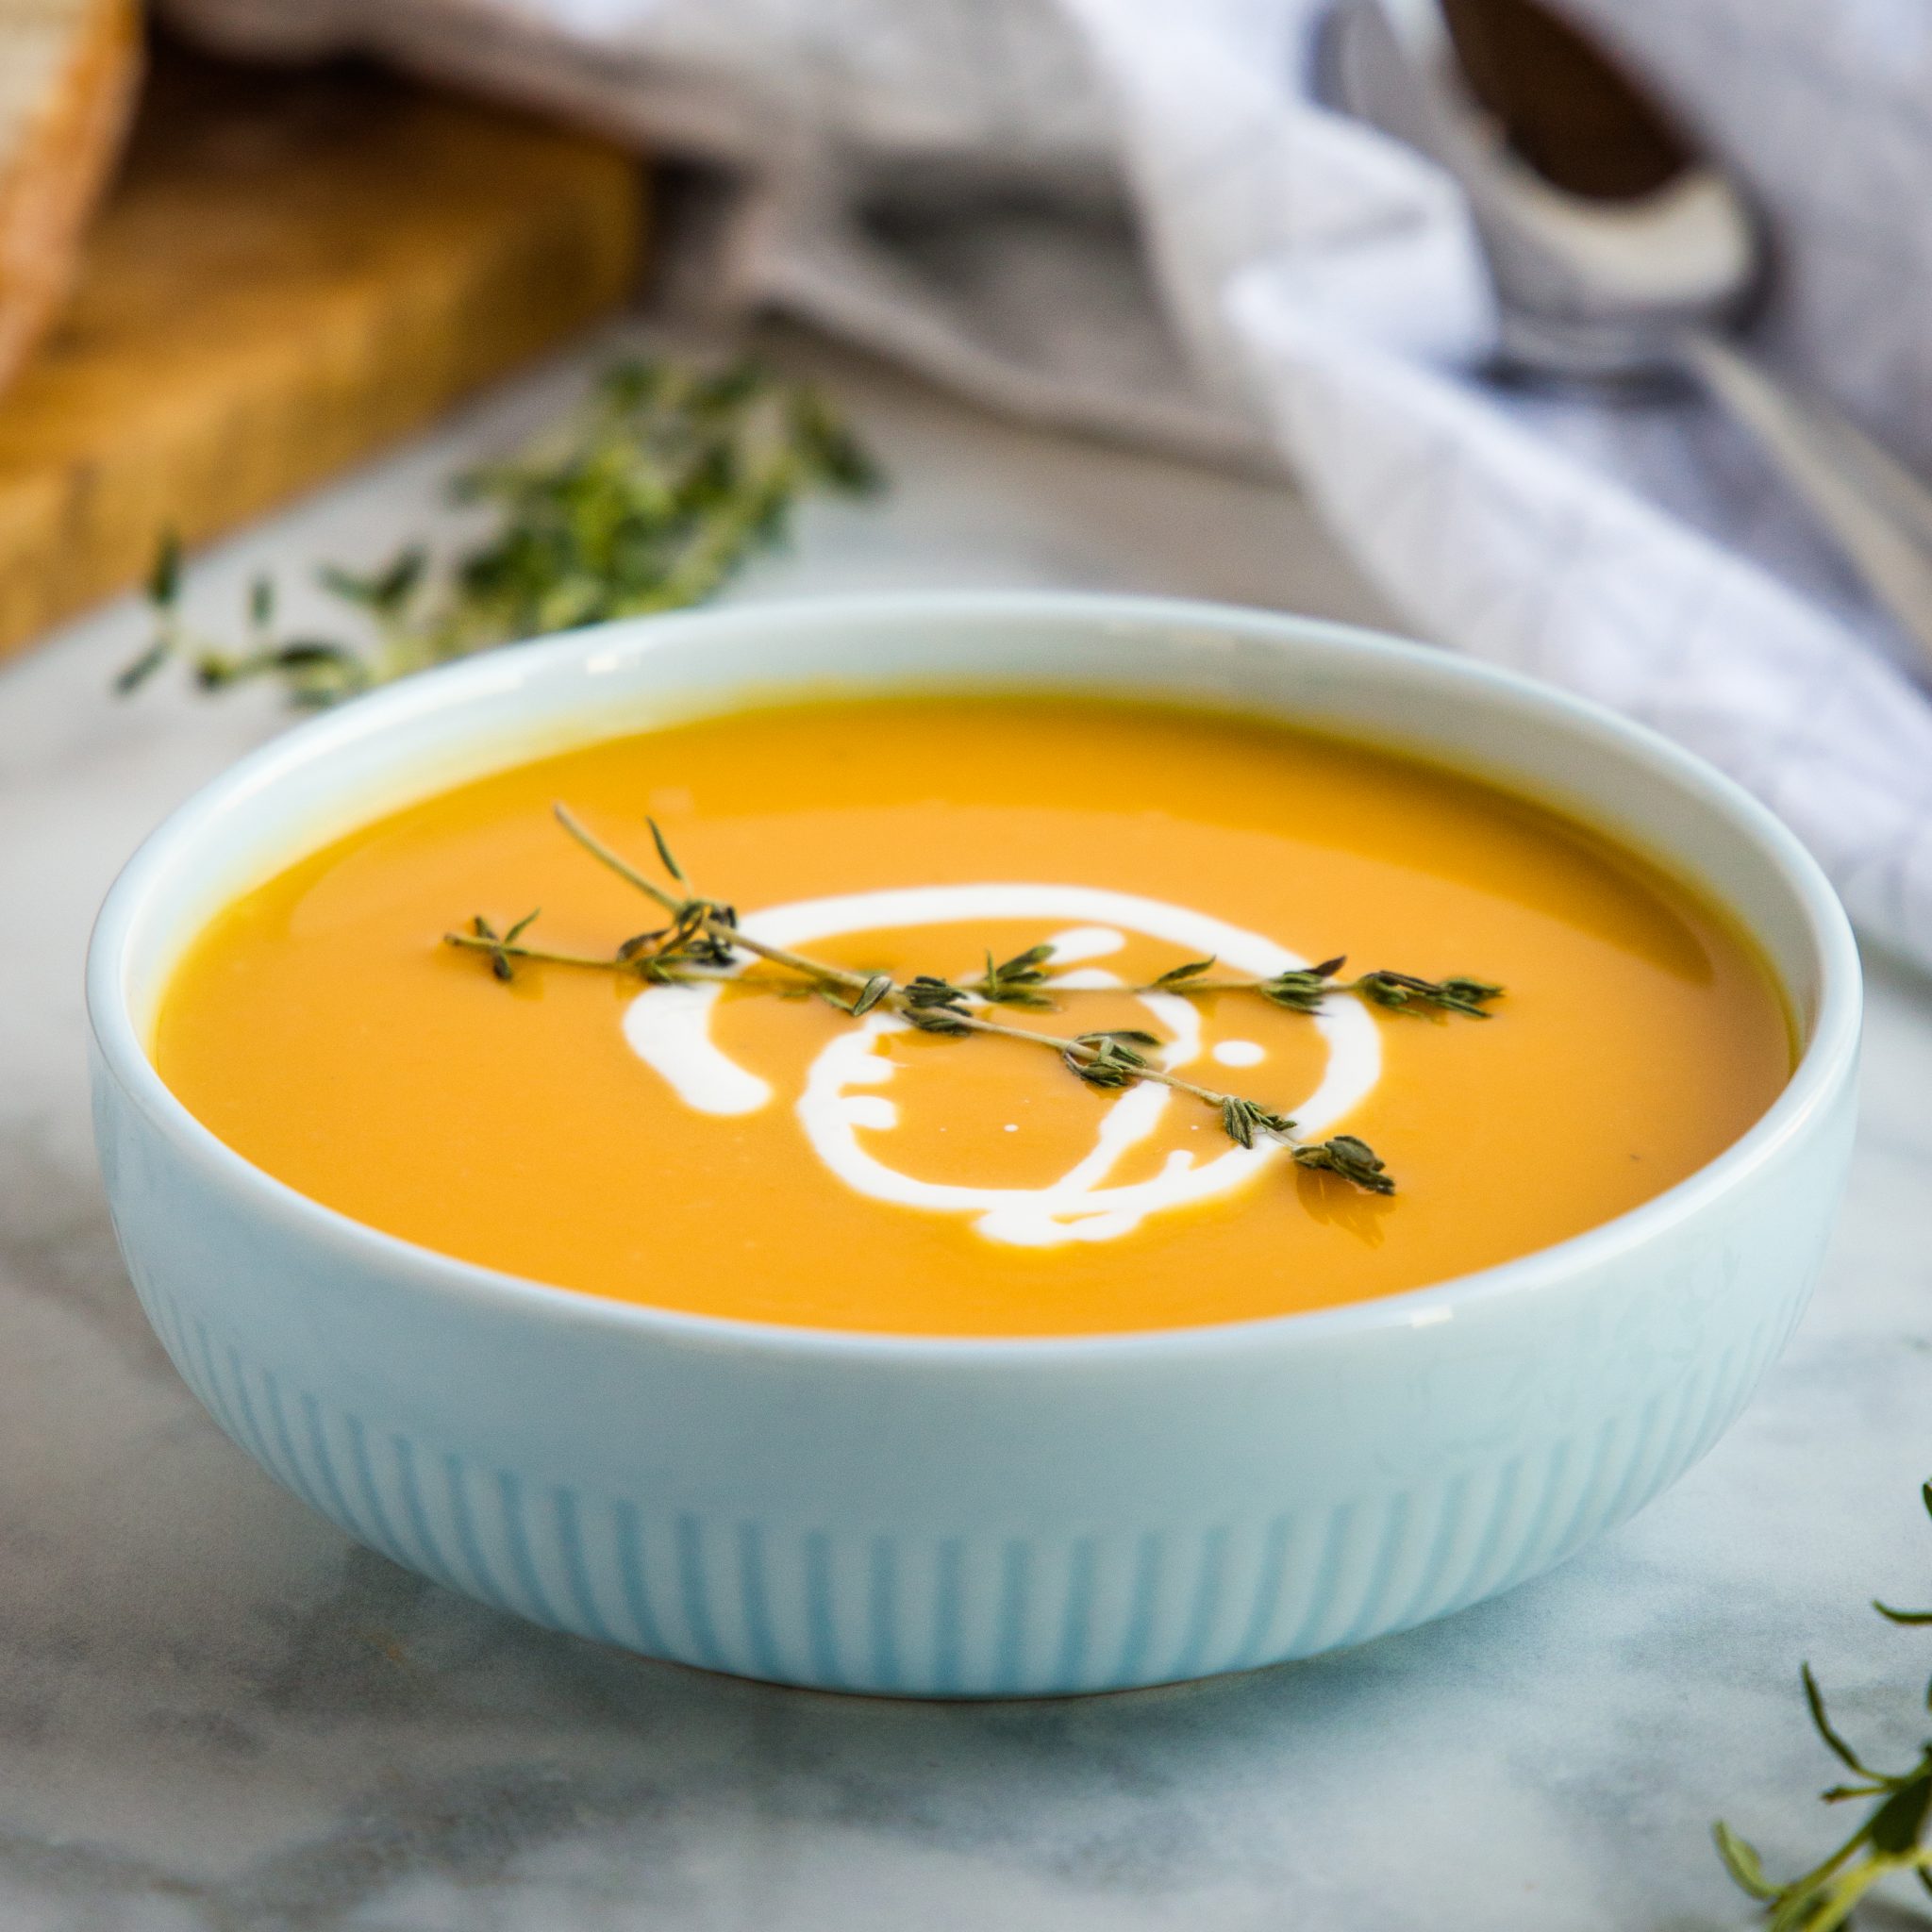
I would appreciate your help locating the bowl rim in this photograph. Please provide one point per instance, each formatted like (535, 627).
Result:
(1828, 1058)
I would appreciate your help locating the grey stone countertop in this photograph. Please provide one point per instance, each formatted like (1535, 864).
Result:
(216, 1713)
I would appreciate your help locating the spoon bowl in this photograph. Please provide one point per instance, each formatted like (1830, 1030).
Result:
(1633, 288)
(1591, 286)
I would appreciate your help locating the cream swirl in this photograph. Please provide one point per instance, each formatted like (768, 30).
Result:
(670, 1028)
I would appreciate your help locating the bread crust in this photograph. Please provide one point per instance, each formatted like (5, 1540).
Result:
(51, 181)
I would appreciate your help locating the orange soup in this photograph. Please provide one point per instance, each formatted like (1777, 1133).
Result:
(722, 1140)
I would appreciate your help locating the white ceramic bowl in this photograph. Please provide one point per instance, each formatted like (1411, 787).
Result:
(954, 1517)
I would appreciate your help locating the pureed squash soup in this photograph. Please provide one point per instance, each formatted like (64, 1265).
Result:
(746, 1147)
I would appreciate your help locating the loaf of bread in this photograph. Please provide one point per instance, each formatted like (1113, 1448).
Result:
(68, 70)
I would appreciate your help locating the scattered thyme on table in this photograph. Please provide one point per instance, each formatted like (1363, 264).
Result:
(1891, 1839)
(665, 482)
(701, 936)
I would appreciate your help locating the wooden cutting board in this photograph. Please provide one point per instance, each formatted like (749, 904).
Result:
(293, 270)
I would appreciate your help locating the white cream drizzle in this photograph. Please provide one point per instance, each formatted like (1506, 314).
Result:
(669, 1028)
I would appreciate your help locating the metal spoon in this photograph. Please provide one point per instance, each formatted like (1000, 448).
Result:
(1632, 290)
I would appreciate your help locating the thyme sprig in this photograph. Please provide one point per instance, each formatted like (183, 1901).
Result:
(1890, 1839)
(1305, 988)
(1028, 980)
(667, 480)
(701, 936)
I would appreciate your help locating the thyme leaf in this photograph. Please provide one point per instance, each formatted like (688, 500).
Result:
(1303, 989)
(1015, 982)
(925, 992)
(935, 1019)
(666, 482)
(1457, 996)
(1241, 1121)
(1354, 1160)
(1177, 976)
(1110, 1060)
(870, 995)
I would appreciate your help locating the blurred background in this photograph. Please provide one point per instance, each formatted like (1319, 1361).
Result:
(1591, 333)
(342, 337)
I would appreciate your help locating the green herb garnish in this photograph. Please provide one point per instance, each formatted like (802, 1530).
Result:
(666, 482)
(1304, 990)
(701, 939)
(1015, 982)
(1027, 980)
(1891, 1839)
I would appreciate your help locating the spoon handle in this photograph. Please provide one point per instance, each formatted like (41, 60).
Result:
(1879, 512)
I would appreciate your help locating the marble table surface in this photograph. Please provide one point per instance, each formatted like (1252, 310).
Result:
(216, 1713)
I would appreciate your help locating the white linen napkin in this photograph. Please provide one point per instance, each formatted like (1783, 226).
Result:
(1128, 214)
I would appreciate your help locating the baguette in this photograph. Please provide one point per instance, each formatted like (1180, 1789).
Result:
(68, 75)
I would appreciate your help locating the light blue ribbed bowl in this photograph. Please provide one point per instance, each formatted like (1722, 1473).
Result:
(937, 1518)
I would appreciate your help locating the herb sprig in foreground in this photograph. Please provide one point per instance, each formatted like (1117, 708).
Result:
(701, 939)
(666, 482)
(1891, 1839)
